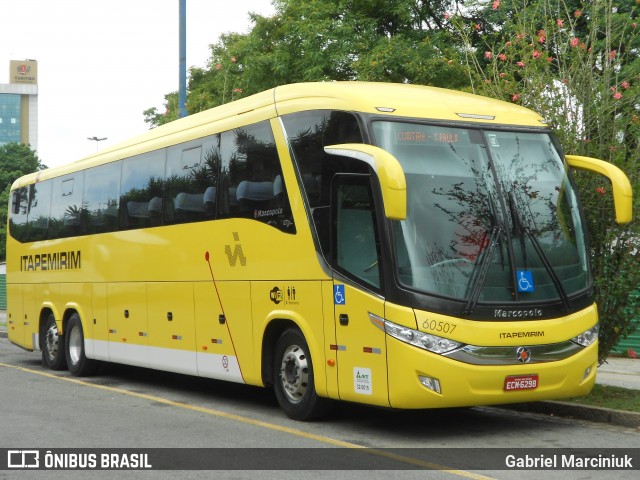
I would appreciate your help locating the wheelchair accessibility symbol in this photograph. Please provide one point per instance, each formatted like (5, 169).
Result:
(338, 295)
(525, 281)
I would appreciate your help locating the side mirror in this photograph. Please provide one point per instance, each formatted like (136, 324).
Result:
(622, 192)
(388, 170)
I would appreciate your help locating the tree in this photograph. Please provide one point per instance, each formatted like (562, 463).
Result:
(315, 40)
(15, 160)
(155, 118)
(578, 64)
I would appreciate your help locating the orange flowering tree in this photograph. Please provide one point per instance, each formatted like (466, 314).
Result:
(578, 64)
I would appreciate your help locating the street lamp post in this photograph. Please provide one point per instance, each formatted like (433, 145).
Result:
(97, 140)
(182, 64)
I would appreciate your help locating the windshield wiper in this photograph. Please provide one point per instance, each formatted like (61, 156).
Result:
(525, 229)
(479, 274)
(518, 227)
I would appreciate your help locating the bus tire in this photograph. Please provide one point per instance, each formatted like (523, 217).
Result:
(52, 345)
(77, 362)
(293, 378)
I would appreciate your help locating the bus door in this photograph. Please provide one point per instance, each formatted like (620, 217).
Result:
(360, 345)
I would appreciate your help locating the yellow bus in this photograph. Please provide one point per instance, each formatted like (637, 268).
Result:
(394, 245)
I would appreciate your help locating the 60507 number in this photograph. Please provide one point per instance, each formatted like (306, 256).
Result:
(439, 326)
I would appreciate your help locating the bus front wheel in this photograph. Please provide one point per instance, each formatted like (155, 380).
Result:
(77, 361)
(52, 345)
(294, 383)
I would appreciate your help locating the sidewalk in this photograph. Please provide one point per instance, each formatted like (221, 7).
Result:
(617, 372)
(620, 372)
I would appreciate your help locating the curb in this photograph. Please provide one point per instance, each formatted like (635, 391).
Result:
(3, 332)
(619, 418)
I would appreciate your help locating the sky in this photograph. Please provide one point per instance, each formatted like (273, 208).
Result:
(101, 63)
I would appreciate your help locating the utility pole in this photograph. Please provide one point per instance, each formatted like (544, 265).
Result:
(182, 89)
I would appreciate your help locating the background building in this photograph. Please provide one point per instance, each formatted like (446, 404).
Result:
(19, 104)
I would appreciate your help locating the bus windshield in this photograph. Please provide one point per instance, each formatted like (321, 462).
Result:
(491, 215)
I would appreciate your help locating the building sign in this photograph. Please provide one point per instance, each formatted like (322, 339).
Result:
(23, 71)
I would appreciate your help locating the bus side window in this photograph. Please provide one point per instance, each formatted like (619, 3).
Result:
(39, 209)
(192, 178)
(308, 133)
(251, 180)
(18, 217)
(142, 190)
(66, 206)
(100, 199)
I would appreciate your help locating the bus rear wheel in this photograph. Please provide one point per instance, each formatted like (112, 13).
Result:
(294, 382)
(77, 361)
(52, 345)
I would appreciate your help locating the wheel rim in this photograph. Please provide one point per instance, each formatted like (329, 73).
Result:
(294, 373)
(52, 341)
(75, 345)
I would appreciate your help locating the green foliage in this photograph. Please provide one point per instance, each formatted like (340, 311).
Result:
(155, 118)
(15, 160)
(578, 64)
(605, 396)
(316, 40)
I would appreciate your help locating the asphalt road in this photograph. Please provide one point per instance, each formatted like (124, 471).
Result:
(138, 409)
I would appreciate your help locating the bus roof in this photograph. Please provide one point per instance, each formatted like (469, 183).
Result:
(399, 100)
(403, 100)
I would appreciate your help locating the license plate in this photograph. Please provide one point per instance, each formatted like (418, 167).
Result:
(520, 382)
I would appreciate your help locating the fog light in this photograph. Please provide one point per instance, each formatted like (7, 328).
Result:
(430, 383)
(586, 374)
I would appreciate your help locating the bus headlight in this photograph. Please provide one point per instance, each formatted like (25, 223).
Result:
(587, 338)
(426, 341)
